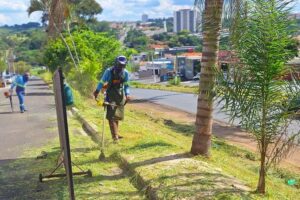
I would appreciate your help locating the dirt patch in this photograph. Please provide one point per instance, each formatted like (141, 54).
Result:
(233, 135)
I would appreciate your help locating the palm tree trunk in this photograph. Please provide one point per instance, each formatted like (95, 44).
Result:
(211, 37)
(56, 17)
(261, 186)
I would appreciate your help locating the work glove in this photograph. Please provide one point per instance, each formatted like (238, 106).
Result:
(96, 93)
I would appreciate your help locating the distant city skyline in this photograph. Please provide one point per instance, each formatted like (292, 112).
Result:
(14, 11)
(185, 19)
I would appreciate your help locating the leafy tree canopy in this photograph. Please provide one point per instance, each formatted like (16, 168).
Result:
(96, 52)
(136, 39)
(183, 38)
(87, 9)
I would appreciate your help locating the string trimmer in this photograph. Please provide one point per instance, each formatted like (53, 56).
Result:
(100, 102)
(103, 103)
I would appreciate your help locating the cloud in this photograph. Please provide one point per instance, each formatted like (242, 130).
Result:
(13, 5)
(3, 19)
(120, 10)
(166, 8)
(14, 11)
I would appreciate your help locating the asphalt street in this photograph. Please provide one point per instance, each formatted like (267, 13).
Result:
(182, 101)
(188, 103)
(33, 128)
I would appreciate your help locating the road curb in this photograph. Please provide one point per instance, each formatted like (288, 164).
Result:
(139, 182)
(88, 127)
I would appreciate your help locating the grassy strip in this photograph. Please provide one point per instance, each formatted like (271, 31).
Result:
(150, 155)
(168, 87)
(19, 178)
(151, 143)
(150, 138)
(45, 75)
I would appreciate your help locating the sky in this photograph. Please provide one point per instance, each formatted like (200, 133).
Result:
(14, 11)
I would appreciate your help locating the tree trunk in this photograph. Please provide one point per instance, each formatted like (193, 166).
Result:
(261, 186)
(56, 17)
(211, 37)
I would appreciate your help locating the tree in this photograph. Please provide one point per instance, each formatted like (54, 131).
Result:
(42, 6)
(96, 52)
(211, 34)
(56, 11)
(137, 39)
(3, 65)
(59, 11)
(21, 67)
(53, 11)
(258, 97)
(183, 38)
(87, 9)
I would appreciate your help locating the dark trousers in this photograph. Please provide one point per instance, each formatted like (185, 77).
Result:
(21, 95)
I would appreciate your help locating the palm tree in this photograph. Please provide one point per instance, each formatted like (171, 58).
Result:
(54, 11)
(59, 11)
(40, 6)
(211, 37)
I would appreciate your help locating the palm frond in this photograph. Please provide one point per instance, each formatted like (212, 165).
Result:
(39, 5)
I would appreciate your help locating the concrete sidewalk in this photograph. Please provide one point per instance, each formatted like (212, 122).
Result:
(31, 129)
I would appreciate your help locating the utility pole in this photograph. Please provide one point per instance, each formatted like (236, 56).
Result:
(11, 61)
(153, 68)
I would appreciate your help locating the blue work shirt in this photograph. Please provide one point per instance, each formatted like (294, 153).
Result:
(106, 78)
(20, 82)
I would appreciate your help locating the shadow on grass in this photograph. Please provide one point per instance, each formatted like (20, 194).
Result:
(85, 149)
(149, 145)
(159, 97)
(202, 185)
(160, 159)
(184, 129)
(219, 131)
(19, 180)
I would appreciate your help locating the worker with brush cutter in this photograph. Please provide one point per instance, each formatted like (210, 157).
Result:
(20, 84)
(116, 80)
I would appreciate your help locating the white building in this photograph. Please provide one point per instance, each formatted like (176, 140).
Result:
(145, 18)
(185, 19)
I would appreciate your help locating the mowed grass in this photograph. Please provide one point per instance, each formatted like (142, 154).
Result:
(19, 178)
(149, 137)
(156, 149)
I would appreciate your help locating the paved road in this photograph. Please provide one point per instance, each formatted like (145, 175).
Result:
(182, 101)
(188, 103)
(33, 128)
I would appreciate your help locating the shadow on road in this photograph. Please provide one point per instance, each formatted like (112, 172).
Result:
(42, 88)
(38, 84)
(34, 79)
(39, 94)
(7, 113)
